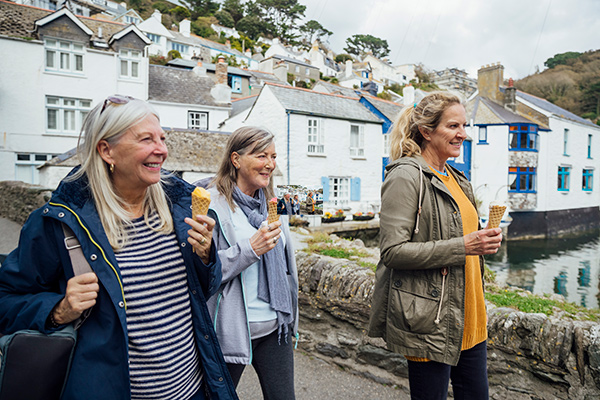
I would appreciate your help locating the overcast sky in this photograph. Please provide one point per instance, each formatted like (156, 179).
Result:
(465, 34)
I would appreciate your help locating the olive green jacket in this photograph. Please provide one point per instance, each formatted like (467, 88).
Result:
(418, 301)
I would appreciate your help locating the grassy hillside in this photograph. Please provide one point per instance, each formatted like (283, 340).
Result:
(572, 82)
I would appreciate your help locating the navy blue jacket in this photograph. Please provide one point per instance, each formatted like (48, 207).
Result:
(34, 276)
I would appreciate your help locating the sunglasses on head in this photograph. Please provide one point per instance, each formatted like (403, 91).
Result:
(116, 99)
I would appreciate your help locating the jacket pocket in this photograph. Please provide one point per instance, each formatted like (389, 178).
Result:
(414, 302)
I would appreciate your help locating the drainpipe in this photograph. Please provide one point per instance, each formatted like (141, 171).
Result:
(288, 146)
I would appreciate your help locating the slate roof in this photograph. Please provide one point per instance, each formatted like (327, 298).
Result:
(304, 101)
(291, 60)
(200, 41)
(244, 103)
(337, 89)
(190, 64)
(502, 114)
(176, 85)
(387, 108)
(554, 109)
(259, 78)
(17, 20)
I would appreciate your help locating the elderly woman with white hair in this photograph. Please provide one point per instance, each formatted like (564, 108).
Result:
(148, 334)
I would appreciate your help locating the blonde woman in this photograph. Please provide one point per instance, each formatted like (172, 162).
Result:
(428, 302)
(148, 333)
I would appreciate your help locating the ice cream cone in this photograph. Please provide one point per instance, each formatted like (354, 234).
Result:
(200, 201)
(496, 213)
(272, 205)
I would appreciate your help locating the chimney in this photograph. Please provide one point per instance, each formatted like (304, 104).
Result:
(221, 71)
(248, 53)
(489, 79)
(228, 44)
(157, 16)
(408, 94)
(280, 71)
(510, 96)
(348, 68)
(185, 27)
(199, 69)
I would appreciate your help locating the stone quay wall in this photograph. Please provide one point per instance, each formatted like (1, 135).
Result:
(18, 200)
(530, 356)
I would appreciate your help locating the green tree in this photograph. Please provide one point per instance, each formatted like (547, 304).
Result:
(180, 13)
(253, 26)
(235, 8)
(201, 27)
(201, 8)
(311, 31)
(561, 59)
(279, 16)
(360, 45)
(225, 19)
(342, 58)
(591, 98)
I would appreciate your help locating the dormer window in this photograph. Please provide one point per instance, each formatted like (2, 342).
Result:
(64, 56)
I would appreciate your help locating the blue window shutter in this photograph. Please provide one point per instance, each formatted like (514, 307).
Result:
(355, 189)
(325, 184)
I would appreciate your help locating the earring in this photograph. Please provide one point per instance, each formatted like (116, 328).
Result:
(112, 168)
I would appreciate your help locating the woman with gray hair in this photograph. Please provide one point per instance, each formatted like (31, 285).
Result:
(148, 333)
(255, 311)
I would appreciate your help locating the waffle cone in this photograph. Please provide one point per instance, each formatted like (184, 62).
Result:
(272, 206)
(200, 201)
(496, 213)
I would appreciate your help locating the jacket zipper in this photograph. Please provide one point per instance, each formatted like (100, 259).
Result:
(99, 248)
(444, 272)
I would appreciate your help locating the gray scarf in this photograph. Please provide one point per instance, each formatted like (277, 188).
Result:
(273, 285)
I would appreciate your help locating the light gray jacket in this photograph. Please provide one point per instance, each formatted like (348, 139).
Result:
(228, 306)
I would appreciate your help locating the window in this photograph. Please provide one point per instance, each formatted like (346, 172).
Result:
(153, 37)
(523, 137)
(297, 69)
(197, 120)
(357, 141)
(339, 191)
(64, 115)
(588, 177)
(307, 71)
(26, 167)
(563, 178)
(566, 143)
(483, 135)
(521, 179)
(181, 48)
(589, 149)
(386, 145)
(64, 56)
(131, 20)
(235, 83)
(315, 137)
(129, 63)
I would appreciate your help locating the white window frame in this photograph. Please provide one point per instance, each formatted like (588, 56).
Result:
(64, 56)
(180, 47)
(316, 140)
(153, 37)
(339, 191)
(198, 120)
(65, 115)
(307, 72)
(386, 145)
(129, 64)
(357, 141)
(26, 164)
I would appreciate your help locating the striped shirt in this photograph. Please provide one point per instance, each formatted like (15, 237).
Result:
(163, 358)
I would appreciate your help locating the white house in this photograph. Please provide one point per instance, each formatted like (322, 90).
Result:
(537, 157)
(385, 72)
(323, 140)
(79, 7)
(188, 99)
(65, 66)
(279, 49)
(324, 61)
(359, 76)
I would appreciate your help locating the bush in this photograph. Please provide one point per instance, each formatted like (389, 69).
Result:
(157, 60)
(225, 19)
(180, 13)
(173, 54)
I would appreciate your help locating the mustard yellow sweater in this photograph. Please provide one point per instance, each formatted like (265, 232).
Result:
(475, 330)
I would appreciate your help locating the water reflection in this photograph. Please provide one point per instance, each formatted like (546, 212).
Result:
(570, 267)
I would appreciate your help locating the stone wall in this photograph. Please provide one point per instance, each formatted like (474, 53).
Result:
(530, 356)
(18, 200)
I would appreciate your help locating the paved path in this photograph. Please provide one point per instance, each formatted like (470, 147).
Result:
(318, 380)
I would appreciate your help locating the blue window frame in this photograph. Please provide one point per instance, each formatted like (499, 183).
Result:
(563, 178)
(521, 179)
(153, 37)
(482, 135)
(589, 149)
(587, 180)
(523, 137)
(235, 83)
(181, 48)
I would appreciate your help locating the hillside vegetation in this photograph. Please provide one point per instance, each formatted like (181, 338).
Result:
(572, 81)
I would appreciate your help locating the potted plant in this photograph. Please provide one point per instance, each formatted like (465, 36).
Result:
(329, 217)
(359, 216)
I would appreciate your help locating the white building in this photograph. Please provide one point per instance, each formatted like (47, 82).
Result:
(322, 60)
(537, 157)
(65, 66)
(384, 72)
(323, 140)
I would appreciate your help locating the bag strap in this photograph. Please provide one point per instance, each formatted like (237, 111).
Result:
(79, 263)
(78, 260)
